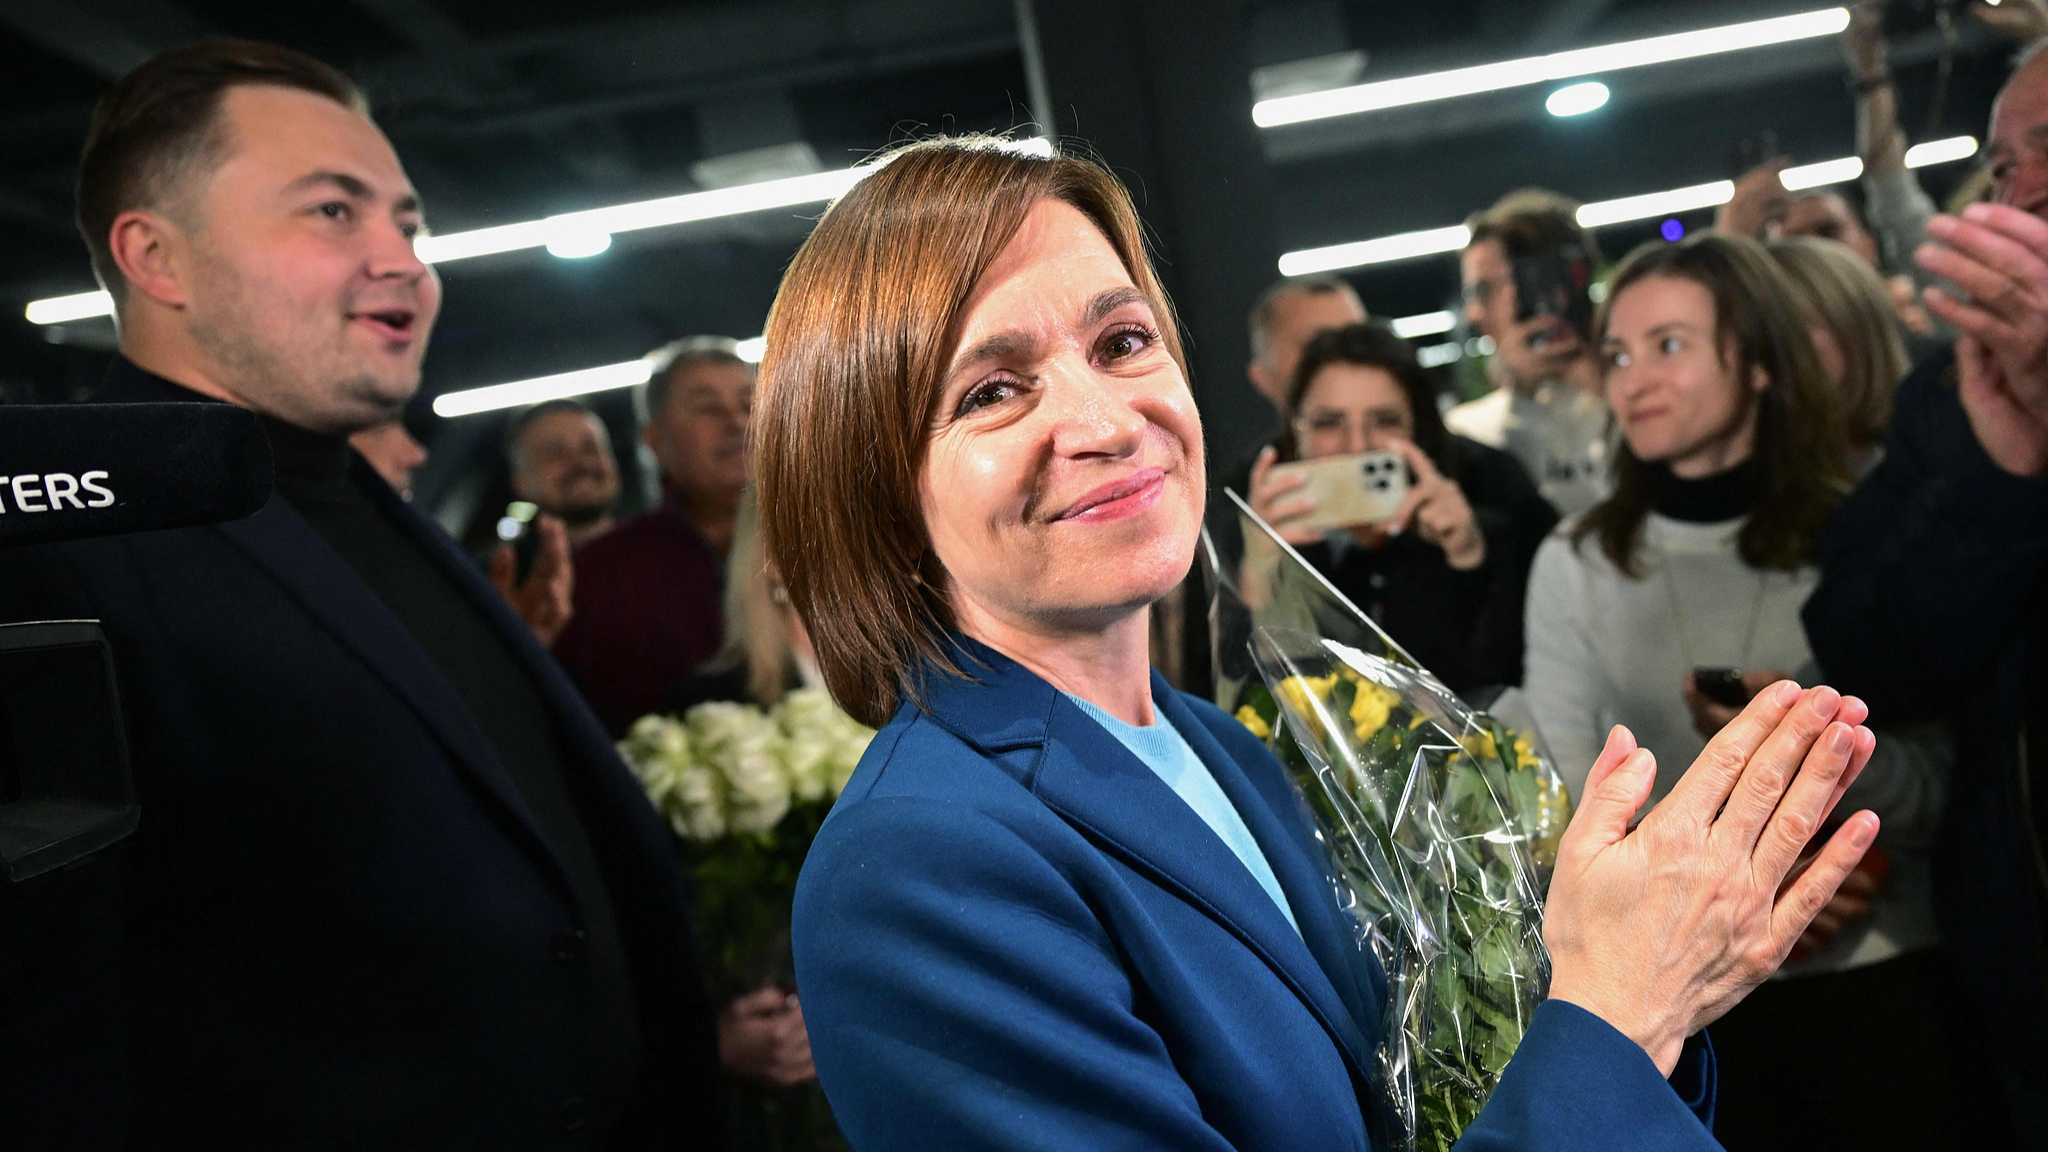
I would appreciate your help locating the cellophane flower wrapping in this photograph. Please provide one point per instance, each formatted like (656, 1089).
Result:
(1439, 824)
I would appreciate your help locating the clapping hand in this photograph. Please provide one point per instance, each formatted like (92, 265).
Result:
(1659, 929)
(1998, 257)
(1852, 902)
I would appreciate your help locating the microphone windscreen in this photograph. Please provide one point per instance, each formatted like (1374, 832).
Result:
(69, 471)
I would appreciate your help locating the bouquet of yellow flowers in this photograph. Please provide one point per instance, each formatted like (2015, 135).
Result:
(1439, 821)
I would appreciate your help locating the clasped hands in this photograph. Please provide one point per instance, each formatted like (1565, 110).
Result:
(1659, 929)
(761, 1037)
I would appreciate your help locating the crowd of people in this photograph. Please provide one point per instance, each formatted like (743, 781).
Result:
(393, 885)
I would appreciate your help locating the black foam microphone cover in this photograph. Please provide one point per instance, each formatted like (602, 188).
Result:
(69, 471)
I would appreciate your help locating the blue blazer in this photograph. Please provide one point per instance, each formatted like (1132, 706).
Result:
(1010, 934)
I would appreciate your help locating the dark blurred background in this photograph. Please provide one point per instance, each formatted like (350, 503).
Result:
(511, 110)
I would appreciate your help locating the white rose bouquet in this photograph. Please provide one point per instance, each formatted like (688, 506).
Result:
(745, 790)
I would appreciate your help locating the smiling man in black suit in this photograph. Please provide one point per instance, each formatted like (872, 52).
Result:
(392, 885)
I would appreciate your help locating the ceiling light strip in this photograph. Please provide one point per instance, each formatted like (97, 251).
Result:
(1601, 213)
(521, 392)
(580, 383)
(1382, 94)
(576, 231)
(1426, 324)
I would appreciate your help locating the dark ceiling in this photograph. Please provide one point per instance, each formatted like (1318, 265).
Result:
(510, 110)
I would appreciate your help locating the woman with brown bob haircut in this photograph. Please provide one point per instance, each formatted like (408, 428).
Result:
(1062, 906)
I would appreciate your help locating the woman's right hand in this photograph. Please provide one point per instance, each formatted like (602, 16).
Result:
(761, 1037)
(1662, 928)
(1279, 500)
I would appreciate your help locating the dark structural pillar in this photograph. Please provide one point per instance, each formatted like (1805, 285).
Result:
(1162, 90)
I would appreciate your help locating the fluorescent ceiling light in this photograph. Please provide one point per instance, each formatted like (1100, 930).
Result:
(1818, 175)
(1438, 355)
(579, 243)
(61, 309)
(1600, 213)
(1401, 246)
(1576, 99)
(1542, 69)
(1941, 151)
(574, 231)
(580, 383)
(1604, 212)
(1426, 324)
(541, 388)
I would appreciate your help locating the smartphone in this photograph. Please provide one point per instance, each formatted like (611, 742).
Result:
(1349, 490)
(1752, 150)
(515, 527)
(1721, 685)
(1558, 283)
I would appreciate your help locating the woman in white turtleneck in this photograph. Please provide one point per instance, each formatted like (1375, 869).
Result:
(1733, 452)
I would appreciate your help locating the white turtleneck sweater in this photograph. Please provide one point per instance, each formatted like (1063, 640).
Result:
(1605, 649)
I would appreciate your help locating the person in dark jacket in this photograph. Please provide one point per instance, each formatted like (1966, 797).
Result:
(1932, 601)
(1445, 576)
(392, 886)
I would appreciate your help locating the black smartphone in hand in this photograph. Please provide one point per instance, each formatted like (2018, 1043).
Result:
(1721, 685)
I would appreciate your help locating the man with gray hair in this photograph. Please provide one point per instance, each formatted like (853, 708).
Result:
(648, 592)
(1284, 318)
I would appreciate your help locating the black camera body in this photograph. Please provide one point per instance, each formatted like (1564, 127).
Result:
(71, 472)
(65, 787)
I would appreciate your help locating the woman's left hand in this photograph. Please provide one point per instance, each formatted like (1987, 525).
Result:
(1437, 509)
(1660, 928)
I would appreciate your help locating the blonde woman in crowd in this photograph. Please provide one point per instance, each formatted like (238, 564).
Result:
(1855, 331)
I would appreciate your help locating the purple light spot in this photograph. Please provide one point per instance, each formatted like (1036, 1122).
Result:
(1672, 230)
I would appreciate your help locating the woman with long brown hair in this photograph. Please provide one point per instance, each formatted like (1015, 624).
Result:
(1734, 449)
(1061, 905)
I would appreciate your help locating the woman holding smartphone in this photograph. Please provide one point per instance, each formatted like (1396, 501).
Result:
(1446, 572)
(1062, 906)
(1666, 606)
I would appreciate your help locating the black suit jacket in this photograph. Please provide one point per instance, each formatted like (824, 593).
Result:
(1933, 605)
(338, 925)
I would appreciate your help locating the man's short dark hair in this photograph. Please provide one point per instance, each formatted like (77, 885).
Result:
(515, 429)
(689, 350)
(1533, 221)
(159, 127)
(1268, 304)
